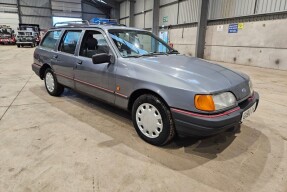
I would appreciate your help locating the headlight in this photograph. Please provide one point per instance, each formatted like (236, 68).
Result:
(214, 102)
(250, 87)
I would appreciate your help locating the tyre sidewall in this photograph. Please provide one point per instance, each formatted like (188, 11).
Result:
(165, 135)
(55, 92)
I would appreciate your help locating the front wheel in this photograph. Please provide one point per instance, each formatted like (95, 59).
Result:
(18, 45)
(51, 83)
(152, 120)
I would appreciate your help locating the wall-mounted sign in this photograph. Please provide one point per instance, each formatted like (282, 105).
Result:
(233, 28)
(165, 19)
(240, 25)
(219, 28)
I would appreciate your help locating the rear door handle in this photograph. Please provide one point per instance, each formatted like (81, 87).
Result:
(79, 62)
(55, 56)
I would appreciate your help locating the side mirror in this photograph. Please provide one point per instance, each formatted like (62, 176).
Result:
(101, 58)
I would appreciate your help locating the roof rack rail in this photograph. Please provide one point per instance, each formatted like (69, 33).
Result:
(72, 23)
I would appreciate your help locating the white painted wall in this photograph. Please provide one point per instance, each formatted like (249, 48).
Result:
(183, 40)
(260, 43)
(10, 19)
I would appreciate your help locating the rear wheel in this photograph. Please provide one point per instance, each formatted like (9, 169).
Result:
(152, 120)
(51, 83)
(18, 46)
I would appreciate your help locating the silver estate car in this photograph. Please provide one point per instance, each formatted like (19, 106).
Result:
(167, 93)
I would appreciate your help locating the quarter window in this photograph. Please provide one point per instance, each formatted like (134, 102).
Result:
(50, 39)
(69, 42)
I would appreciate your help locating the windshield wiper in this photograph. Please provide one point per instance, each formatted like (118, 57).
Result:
(155, 53)
(134, 56)
(173, 52)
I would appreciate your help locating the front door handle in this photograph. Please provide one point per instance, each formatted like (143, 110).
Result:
(79, 62)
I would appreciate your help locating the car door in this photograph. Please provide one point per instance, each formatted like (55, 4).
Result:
(97, 80)
(63, 60)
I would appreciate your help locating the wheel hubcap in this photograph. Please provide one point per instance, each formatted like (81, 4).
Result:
(50, 82)
(149, 120)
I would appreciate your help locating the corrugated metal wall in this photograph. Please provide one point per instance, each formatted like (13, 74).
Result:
(9, 13)
(124, 12)
(173, 12)
(219, 9)
(143, 13)
(67, 8)
(36, 12)
(90, 12)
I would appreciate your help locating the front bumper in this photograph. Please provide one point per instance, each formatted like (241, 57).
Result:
(24, 43)
(193, 124)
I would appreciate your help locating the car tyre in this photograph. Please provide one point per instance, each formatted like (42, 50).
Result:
(51, 83)
(152, 120)
(18, 46)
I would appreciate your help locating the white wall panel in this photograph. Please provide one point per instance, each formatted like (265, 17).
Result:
(44, 22)
(9, 1)
(139, 6)
(170, 12)
(139, 21)
(66, 6)
(148, 4)
(148, 19)
(163, 2)
(8, 9)
(123, 7)
(35, 11)
(66, 14)
(37, 3)
(269, 6)
(10, 19)
(188, 11)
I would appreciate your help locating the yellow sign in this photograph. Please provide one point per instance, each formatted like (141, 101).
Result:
(240, 25)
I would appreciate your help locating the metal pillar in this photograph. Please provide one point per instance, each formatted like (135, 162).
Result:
(201, 28)
(131, 13)
(115, 12)
(155, 15)
(19, 11)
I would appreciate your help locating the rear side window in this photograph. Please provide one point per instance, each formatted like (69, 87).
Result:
(69, 41)
(51, 39)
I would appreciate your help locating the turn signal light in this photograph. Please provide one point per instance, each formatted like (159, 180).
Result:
(204, 102)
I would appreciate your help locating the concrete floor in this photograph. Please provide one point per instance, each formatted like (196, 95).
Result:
(74, 143)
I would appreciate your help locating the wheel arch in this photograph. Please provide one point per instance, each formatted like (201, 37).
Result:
(137, 93)
(43, 69)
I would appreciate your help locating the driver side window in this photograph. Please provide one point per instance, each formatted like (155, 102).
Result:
(93, 43)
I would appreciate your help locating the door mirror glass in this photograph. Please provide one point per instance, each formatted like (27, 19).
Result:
(101, 58)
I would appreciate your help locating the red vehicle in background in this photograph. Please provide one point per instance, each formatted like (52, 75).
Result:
(31, 27)
(7, 35)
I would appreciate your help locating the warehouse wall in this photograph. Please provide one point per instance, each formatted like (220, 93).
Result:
(90, 12)
(9, 13)
(184, 39)
(260, 43)
(36, 12)
(67, 8)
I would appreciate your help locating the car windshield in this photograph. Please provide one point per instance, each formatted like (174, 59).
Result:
(133, 43)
